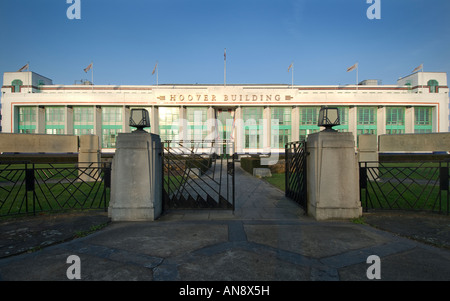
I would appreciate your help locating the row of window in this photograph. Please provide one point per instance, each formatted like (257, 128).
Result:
(83, 122)
(112, 122)
(281, 132)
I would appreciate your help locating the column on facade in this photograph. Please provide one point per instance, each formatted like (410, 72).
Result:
(40, 126)
(126, 113)
(267, 135)
(238, 131)
(295, 123)
(154, 120)
(409, 120)
(435, 118)
(353, 121)
(68, 120)
(381, 120)
(183, 126)
(98, 121)
(211, 123)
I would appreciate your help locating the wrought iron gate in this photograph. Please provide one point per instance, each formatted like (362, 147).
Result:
(198, 175)
(295, 173)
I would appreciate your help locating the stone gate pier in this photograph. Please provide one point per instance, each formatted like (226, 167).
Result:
(333, 177)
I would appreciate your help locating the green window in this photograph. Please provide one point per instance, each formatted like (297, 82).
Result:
(395, 120)
(169, 123)
(433, 86)
(81, 131)
(225, 123)
(196, 118)
(83, 120)
(423, 120)
(252, 118)
(111, 125)
(281, 130)
(109, 137)
(112, 115)
(16, 86)
(54, 120)
(366, 121)
(308, 121)
(27, 120)
(343, 119)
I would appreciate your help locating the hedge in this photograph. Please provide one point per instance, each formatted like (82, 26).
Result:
(248, 163)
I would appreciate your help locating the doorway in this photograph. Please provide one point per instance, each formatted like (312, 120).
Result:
(225, 122)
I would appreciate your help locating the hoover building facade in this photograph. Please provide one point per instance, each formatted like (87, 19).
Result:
(257, 118)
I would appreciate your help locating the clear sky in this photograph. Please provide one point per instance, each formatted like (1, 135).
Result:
(125, 39)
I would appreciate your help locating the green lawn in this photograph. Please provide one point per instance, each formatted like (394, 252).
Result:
(16, 172)
(411, 196)
(52, 197)
(427, 170)
(278, 180)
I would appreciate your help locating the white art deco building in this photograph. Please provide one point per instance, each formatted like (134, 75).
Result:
(255, 117)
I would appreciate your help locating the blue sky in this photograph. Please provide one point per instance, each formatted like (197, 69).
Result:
(323, 38)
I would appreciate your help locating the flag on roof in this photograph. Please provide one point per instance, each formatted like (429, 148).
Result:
(352, 67)
(418, 68)
(88, 68)
(27, 66)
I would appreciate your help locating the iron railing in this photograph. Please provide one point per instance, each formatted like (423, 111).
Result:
(415, 186)
(295, 172)
(198, 175)
(29, 188)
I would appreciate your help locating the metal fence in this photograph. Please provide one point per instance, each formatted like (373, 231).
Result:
(422, 186)
(295, 172)
(29, 188)
(198, 175)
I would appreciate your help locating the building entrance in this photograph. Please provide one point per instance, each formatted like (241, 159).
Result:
(225, 121)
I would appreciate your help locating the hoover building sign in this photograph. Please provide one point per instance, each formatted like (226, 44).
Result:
(213, 98)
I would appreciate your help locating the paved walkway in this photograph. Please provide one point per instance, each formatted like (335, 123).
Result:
(267, 238)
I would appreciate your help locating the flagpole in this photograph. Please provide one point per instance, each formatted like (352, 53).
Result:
(225, 67)
(357, 73)
(291, 66)
(92, 75)
(292, 86)
(157, 67)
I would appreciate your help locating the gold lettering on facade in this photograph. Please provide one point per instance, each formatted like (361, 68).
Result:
(232, 97)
